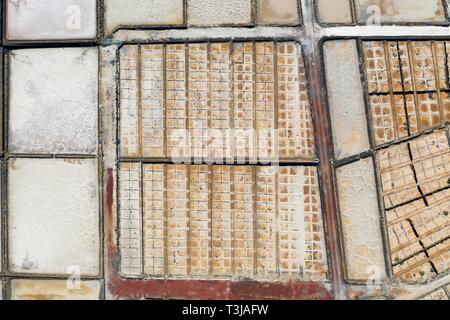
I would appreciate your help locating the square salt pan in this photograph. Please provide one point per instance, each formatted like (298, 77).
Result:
(334, 11)
(53, 216)
(278, 12)
(53, 100)
(51, 19)
(140, 13)
(219, 12)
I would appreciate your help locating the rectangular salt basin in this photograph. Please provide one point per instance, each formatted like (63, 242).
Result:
(53, 216)
(51, 20)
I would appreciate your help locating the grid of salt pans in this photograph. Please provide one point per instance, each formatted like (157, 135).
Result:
(206, 221)
(409, 87)
(178, 100)
(439, 294)
(415, 187)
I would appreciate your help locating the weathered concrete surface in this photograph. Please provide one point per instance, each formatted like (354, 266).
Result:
(53, 100)
(51, 19)
(53, 217)
(278, 12)
(401, 11)
(334, 11)
(142, 13)
(345, 98)
(360, 221)
(54, 290)
(219, 12)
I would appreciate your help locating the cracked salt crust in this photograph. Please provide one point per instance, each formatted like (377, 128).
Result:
(54, 290)
(53, 100)
(51, 19)
(141, 13)
(360, 221)
(53, 216)
(219, 12)
(346, 100)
